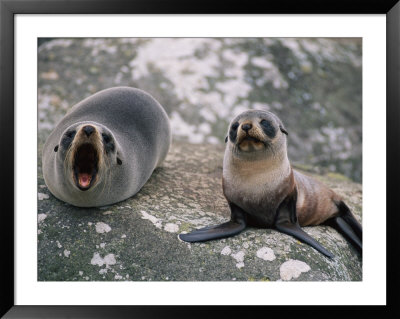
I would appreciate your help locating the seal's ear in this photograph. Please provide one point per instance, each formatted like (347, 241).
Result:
(56, 148)
(283, 130)
(226, 139)
(119, 154)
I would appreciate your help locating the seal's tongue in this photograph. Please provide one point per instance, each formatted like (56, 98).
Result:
(84, 179)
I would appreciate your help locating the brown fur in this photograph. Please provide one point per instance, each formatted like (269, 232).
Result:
(315, 202)
(258, 176)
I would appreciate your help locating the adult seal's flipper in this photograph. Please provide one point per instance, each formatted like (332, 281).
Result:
(286, 222)
(228, 229)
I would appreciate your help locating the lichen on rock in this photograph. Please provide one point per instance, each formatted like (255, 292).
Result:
(142, 232)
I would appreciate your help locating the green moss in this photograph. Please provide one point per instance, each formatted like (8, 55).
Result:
(303, 167)
(338, 176)
(52, 232)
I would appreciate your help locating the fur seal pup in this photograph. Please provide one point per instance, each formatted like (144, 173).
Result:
(106, 147)
(263, 190)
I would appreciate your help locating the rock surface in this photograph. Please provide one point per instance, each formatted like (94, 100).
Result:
(137, 239)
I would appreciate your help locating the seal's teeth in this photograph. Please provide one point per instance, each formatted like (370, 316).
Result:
(84, 179)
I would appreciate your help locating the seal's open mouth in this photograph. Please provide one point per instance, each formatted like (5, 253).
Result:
(85, 166)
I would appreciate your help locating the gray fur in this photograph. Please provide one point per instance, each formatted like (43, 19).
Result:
(141, 130)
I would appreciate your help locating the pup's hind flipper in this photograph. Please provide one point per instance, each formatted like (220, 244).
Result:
(347, 231)
(347, 225)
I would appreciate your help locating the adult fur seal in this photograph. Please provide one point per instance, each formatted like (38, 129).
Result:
(263, 190)
(106, 147)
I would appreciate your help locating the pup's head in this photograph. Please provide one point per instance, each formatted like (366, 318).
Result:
(88, 150)
(256, 131)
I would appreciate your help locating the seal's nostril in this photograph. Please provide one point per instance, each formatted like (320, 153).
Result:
(246, 127)
(88, 130)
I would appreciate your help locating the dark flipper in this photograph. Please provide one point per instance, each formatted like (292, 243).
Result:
(350, 219)
(228, 229)
(296, 231)
(224, 230)
(348, 226)
(286, 222)
(344, 228)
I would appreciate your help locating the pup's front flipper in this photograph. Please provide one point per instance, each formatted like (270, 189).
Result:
(286, 222)
(228, 229)
(296, 231)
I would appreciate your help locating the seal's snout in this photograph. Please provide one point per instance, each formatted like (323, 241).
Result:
(248, 135)
(246, 127)
(88, 129)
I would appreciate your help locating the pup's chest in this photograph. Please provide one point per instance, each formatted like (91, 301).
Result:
(257, 192)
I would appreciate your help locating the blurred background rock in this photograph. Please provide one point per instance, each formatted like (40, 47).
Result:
(312, 84)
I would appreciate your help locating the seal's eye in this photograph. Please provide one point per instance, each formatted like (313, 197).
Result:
(106, 138)
(233, 131)
(56, 148)
(108, 143)
(70, 134)
(268, 128)
(67, 139)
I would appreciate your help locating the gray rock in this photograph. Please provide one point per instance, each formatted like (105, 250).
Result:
(137, 239)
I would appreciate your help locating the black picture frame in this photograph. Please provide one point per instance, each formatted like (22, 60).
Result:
(8, 10)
